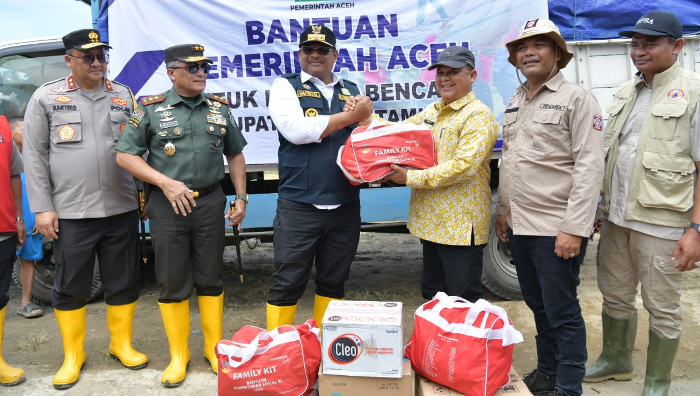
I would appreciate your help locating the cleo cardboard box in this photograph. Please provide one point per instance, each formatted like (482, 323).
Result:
(515, 387)
(363, 339)
(343, 385)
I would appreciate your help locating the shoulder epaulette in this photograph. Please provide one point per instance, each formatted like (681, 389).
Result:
(349, 82)
(52, 82)
(148, 100)
(219, 99)
(290, 75)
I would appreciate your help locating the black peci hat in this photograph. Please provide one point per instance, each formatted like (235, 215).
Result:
(318, 34)
(83, 39)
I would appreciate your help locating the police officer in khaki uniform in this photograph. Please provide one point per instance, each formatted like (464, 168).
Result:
(651, 218)
(72, 126)
(550, 177)
(187, 133)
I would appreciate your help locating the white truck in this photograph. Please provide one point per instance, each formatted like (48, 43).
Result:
(600, 66)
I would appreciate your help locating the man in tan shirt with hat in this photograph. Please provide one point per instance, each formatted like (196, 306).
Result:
(550, 177)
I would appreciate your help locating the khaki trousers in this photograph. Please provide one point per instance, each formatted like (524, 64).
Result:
(627, 258)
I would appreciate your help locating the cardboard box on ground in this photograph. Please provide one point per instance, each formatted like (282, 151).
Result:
(516, 386)
(363, 339)
(343, 385)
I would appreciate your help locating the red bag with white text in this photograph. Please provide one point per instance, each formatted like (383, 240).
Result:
(369, 151)
(465, 346)
(284, 361)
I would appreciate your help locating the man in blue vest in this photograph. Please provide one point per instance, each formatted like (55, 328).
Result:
(318, 210)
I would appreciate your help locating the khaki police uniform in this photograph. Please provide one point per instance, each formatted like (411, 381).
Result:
(70, 167)
(186, 140)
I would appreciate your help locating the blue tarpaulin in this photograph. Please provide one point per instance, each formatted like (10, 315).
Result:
(581, 20)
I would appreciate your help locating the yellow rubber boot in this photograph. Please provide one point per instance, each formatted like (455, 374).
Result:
(9, 375)
(176, 320)
(119, 319)
(72, 327)
(211, 311)
(320, 306)
(278, 316)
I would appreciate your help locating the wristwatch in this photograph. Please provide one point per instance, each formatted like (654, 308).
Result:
(19, 219)
(242, 197)
(695, 226)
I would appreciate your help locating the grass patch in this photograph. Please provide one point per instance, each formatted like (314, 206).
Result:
(31, 342)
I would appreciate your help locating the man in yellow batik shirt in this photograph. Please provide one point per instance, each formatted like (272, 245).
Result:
(450, 209)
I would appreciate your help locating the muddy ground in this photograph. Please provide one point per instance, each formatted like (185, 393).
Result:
(387, 267)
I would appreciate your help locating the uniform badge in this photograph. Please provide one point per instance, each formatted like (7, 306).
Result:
(307, 86)
(177, 131)
(66, 132)
(163, 133)
(63, 99)
(345, 91)
(223, 131)
(218, 142)
(211, 128)
(119, 101)
(60, 90)
(676, 94)
(121, 127)
(217, 119)
(513, 102)
(310, 113)
(169, 149)
(597, 122)
(166, 116)
(163, 108)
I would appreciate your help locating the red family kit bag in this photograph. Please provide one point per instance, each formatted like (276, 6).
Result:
(465, 346)
(369, 151)
(284, 361)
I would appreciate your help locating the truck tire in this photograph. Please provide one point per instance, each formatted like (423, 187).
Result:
(42, 291)
(498, 273)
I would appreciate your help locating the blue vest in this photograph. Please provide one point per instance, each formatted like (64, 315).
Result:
(308, 172)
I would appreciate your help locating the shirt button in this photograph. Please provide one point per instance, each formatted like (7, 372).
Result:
(196, 173)
(522, 125)
(196, 151)
(510, 173)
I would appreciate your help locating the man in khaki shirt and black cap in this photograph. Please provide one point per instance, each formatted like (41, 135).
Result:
(71, 128)
(550, 178)
(651, 220)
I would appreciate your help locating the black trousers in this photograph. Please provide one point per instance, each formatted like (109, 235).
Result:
(115, 240)
(455, 270)
(8, 248)
(189, 249)
(304, 235)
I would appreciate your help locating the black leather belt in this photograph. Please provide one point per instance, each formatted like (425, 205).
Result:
(197, 192)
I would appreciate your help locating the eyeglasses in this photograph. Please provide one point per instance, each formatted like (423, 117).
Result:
(323, 51)
(90, 58)
(193, 68)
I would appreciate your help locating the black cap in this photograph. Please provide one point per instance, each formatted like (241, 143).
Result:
(186, 53)
(455, 57)
(657, 23)
(83, 39)
(318, 34)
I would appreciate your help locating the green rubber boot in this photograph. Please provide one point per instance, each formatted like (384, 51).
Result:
(615, 361)
(660, 356)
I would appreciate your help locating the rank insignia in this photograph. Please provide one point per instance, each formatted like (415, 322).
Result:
(66, 132)
(108, 85)
(676, 94)
(223, 131)
(71, 83)
(119, 101)
(148, 100)
(177, 131)
(310, 113)
(63, 99)
(597, 122)
(169, 149)
(219, 99)
(345, 91)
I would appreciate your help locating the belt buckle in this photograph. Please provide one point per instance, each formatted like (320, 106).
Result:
(195, 194)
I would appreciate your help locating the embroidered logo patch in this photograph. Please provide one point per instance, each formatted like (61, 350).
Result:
(66, 132)
(119, 101)
(121, 127)
(676, 94)
(63, 99)
(597, 122)
(311, 113)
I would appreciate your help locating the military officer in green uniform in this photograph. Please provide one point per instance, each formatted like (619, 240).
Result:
(186, 133)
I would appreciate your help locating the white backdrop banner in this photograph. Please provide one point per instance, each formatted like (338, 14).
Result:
(384, 46)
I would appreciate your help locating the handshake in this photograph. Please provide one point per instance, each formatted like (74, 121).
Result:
(361, 106)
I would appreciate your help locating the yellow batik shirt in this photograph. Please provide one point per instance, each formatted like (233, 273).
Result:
(453, 198)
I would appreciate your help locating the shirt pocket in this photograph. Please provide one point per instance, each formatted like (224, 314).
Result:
(66, 127)
(509, 128)
(118, 120)
(215, 137)
(666, 117)
(546, 131)
(296, 170)
(167, 135)
(667, 181)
